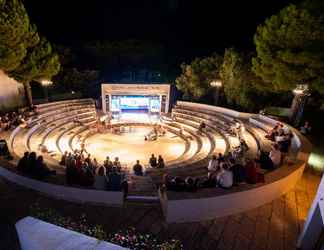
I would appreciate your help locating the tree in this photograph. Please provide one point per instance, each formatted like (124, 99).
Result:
(16, 34)
(25, 55)
(241, 85)
(196, 77)
(290, 49)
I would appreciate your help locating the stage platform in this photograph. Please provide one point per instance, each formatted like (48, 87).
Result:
(131, 146)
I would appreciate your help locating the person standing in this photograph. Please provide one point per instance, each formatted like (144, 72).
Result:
(153, 161)
(138, 168)
(160, 162)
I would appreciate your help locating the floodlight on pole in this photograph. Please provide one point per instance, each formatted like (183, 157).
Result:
(217, 84)
(301, 93)
(46, 83)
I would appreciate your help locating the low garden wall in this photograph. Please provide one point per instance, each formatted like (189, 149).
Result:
(64, 192)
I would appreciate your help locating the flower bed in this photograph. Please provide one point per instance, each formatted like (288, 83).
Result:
(128, 238)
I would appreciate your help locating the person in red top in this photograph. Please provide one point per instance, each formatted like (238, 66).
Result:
(251, 172)
(78, 162)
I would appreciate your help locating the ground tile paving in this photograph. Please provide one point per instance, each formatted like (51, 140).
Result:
(274, 226)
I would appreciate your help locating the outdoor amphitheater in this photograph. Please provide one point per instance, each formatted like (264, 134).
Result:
(74, 125)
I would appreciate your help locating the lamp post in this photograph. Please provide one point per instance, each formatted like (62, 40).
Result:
(217, 84)
(301, 93)
(46, 83)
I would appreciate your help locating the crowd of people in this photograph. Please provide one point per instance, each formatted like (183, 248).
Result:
(156, 132)
(235, 168)
(282, 138)
(12, 120)
(223, 171)
(82, 169)
(33, 165)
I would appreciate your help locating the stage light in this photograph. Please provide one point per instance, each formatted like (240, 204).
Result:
(316, 161)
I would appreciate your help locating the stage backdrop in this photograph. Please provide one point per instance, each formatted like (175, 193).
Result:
(137, 92)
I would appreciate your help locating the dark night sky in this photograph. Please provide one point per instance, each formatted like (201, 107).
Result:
(184, 26)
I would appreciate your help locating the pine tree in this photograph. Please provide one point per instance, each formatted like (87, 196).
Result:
(24, 55)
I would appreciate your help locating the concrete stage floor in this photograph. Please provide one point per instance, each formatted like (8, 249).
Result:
(131, 146)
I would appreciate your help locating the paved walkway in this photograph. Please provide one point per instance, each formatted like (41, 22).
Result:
(273, 226)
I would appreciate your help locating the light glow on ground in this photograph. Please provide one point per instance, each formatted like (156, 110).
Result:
(131, 146)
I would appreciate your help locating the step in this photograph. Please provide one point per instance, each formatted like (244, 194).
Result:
(145, 199)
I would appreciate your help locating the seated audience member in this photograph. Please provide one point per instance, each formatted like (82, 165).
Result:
(41, 170)
(153, 161)
(213, 165)
(117, 164)
(306, 128)
(280, 136)
(160, 162)
(208, 182)
(4, 150)
(124, 187)
(202, 127)
(178, 184)
(238, 129)
(108, 164)
(94, 165)
(63, 158)
(265, 161)
(88, 159)
(284, 145)
(100, 178)
(167, 181)
(23, 163)
(31, 163)
(138, 168)
(220, 157)
(251, 172)
(87, 177)
(225, 178)
(272, 133)
(275, 155)
(243, 145)
(114, 181)
(190, 184)
(239, 172)
(72, 174)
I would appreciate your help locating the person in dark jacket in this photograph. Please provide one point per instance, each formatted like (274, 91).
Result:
(160, 162)
(153, 161)
(23, 163)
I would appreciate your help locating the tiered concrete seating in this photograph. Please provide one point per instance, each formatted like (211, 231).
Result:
(219, 132)
(48, 124)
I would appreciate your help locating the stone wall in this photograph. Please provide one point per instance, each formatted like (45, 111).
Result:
(11, 93)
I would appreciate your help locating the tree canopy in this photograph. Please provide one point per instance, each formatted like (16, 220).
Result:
(290, 49)
(196, 77)
(24, 54)
(16, 34)
(241, 85)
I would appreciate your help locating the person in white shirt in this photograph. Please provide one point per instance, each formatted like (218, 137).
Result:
(225, 177)
(275, 155)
